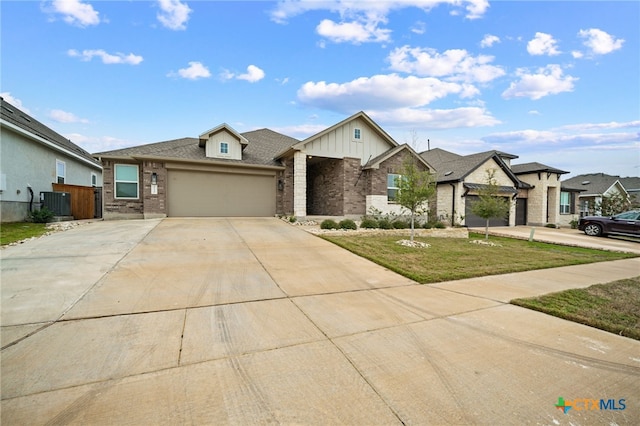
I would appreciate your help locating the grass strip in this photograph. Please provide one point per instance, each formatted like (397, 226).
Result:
(18, 231)
(613, 307)
(455, 258)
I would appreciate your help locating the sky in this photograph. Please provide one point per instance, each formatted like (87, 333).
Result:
(552, 82)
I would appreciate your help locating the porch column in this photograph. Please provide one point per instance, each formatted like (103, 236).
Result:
(299, 184)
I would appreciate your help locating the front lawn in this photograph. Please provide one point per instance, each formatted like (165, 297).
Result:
(454, 258)
(613, 307)
(17, 231)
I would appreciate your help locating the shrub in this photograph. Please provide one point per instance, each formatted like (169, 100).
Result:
(550, 225)
(44, 215)
(427, 225)
(439, 225)
(347, 224)
(369, 223)
(328, 224)
(384, 224)
(400, 224)
(292, 219)
(574, 224)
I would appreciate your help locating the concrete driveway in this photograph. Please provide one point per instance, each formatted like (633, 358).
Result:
(251, 321)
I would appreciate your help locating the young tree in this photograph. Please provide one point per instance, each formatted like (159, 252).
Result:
(415, 187)
(491, 204)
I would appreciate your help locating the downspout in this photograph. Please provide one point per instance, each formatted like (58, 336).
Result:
(31, 198)
(453, 204)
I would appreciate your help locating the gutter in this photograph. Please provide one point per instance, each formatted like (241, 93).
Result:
(189, 161)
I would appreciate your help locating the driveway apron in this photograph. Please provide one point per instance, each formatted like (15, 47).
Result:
(252, 321)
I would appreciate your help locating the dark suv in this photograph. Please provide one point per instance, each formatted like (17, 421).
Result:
(627, 223)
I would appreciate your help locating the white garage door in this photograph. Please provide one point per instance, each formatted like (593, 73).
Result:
(197, 193)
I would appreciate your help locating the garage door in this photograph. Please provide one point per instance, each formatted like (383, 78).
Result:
(198, 193)
(472, 220)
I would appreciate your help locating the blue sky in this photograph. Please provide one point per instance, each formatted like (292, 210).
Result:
(552, 82)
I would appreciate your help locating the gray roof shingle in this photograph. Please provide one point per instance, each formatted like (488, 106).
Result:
(534, 167)
(24, 121)
(591, 183)
(264, 145)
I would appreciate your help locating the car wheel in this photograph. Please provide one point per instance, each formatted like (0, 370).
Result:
(593, 229)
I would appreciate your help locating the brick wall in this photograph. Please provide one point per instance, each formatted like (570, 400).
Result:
(325, 187)
(115, 208)
(355, 184)
(284, 197)
(154, 205)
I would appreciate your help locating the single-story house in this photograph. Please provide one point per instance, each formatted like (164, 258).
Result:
(344, 170)
(35, 159)
(591, 188)
(532, 188)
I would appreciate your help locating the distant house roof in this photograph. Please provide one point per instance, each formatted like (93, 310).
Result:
(261, 149)
(631, 184)
(520, 169)
(18, 120)
(453, 167)
(592, 184)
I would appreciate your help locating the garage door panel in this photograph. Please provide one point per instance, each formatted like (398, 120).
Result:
(206, 194)
(472, 220)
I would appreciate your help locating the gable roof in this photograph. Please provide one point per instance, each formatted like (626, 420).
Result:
(21, 122)
(374, 163)
(262, 147)
(454, 168)
(361, 114)
(593, 183)
(521, 169)
(224, 126)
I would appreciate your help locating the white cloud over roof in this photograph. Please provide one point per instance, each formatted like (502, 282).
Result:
(546, 81)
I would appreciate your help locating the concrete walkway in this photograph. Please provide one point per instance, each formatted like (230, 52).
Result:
(251, 321)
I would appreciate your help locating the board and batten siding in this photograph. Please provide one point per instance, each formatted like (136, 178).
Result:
(212, 149)
(339, 143)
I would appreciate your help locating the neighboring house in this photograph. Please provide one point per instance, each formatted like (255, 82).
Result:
(35, 159)
(593, 187)
(341, 171)
(533, 188)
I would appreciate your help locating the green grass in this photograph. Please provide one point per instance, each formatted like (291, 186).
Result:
(613, 307)
(17, 231)
(455, 258)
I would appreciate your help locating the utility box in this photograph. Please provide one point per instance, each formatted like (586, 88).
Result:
(58, 202)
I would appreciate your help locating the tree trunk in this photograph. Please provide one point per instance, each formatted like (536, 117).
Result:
(411, 226)
(486, 230)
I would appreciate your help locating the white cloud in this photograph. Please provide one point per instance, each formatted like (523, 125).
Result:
(419, 28)
(98, 144)
(107, 58)
(75, 12)
(599, 42)
(173, 14)
(489, 40)
(577, 54)
(435, 118)
(14, 101)
(455, 64)
(546, 81)
(66, 117)
(378, 92)
(252, 75)
(600, 126)
(542, 44)
(353, 32)
(301, 131)
(360, 20)
(534, 112)
(194, 71)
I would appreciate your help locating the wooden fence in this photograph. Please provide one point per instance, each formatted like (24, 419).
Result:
(83, 200)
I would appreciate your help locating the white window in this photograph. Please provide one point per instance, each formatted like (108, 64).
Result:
(94, 179)
(224, 148)
(126, 181)
(356, 134)
(61, 171)
(565, 203)
(392, 186)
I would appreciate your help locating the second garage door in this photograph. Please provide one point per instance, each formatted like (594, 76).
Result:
(198, 193)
